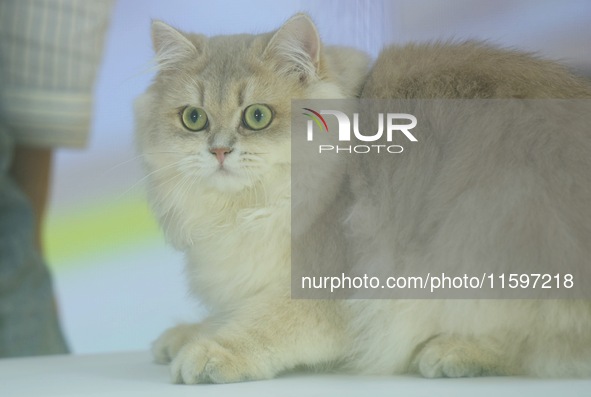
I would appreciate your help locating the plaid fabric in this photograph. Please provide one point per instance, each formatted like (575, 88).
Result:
(50, 51)
(49, 55)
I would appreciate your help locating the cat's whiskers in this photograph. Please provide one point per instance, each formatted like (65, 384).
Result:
(184, 166)
(161, 169)
(139, 156)
(249, 160)
(162, 202)
(184, 190)
(173, 193)
(135, 158)
(171, 199)
(256, 185)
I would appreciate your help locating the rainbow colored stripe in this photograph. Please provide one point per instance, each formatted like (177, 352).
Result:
(318, 119)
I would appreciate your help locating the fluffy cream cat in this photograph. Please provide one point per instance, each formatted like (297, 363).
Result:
(215, 132)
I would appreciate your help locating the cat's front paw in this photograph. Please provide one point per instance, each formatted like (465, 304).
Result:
(207, 361)
(167, 346)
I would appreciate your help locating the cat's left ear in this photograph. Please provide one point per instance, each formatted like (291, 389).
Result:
(296, 47)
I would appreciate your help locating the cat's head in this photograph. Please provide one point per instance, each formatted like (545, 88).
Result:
(218, 112)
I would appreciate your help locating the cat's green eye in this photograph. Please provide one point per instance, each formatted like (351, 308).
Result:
(256, 117)
(194, 119)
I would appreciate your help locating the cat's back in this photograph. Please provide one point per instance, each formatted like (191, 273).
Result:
(468, 70)
(493, 167)
(493, 186)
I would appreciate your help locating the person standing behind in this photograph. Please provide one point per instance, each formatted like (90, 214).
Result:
(50, 51)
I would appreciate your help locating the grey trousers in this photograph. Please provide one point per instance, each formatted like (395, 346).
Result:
(28, 315)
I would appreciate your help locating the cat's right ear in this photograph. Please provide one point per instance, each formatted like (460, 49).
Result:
(296, 47)
(172, 46)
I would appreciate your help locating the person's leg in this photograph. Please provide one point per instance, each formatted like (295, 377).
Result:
(28, 317)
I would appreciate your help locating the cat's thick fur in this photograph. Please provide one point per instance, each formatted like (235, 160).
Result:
(233, 219)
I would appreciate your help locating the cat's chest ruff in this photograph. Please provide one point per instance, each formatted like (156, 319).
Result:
(249, 251)
(224, 226)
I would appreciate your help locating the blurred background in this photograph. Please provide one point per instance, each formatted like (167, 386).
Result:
(118, 284)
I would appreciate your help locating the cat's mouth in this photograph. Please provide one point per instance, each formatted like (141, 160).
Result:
(223, 170)
(227, 180)
(225, 173)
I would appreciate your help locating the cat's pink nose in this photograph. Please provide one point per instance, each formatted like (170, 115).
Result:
(220, 153)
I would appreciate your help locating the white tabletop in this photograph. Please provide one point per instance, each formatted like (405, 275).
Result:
(134, 374)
